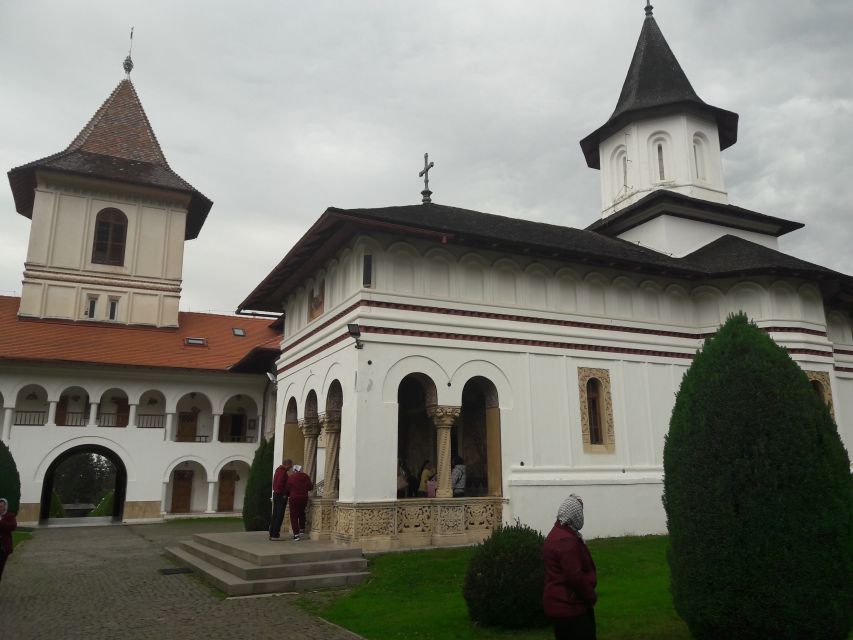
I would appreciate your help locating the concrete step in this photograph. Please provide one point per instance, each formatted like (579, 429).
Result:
(237, 586)
(257, 548)
(318, 564)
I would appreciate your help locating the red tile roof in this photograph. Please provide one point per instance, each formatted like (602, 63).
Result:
(61, 341)
(119, 144)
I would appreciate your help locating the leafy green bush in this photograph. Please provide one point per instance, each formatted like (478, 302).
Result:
(503, 585)
(758, 496)
(56, 508)
(257, 508)
(105, 506)
(10, 481)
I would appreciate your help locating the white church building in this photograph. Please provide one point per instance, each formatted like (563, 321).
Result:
(547, 357)
(95, 355)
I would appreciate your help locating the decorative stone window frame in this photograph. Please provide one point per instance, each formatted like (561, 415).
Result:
(603, 376)
(823, 378)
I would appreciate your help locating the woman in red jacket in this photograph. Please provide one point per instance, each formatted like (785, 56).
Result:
(7, 525)
(296, 488)
(569, 595)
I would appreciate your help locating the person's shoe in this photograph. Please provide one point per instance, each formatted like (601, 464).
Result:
(296, 537)
(275, 538)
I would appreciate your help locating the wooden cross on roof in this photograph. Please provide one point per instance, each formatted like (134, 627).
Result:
(426, 193)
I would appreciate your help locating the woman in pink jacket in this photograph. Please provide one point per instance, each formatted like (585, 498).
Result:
(569, 595)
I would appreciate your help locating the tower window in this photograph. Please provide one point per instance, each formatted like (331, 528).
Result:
(593, 399)
(661, 172)
(113, 311)
(596, 408)
(91, 305)
(699, 157)
(625, 171)
(367, 272)
(110, 236)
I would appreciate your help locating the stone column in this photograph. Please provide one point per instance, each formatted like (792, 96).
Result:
(163, 494)
(131, 418)
(310, 430)
(93, 414)
(215, 436)
(443, 418)
(211, 496)
(8, 416)
(167, 431)
(331, 421)
(51, 414)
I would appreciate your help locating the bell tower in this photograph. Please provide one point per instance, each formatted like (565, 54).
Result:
(109, 221)
(661, 135)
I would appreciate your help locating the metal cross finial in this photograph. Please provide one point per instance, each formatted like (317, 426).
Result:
(426, 193)
(128, 63)
(649, 7)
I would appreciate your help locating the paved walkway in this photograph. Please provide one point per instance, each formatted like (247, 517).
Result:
(104, 583)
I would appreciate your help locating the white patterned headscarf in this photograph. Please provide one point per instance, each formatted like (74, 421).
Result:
(571, 513)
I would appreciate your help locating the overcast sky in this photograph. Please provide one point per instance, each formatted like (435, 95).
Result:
(277, 110)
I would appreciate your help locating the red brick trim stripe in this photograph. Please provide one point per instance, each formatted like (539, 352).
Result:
(322, 326)
(844, 352)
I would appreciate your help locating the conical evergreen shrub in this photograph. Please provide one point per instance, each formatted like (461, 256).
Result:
(758, 497)
(503, 584)
(10, 480)
(257, 507)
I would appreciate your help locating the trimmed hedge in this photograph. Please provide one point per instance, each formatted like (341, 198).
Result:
(10, 480)
(257, 507)
(758, 497)
(105, 506)
(503, 585)
(56, 508)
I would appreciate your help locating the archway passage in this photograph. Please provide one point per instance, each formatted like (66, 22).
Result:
(477, 438)
(416, 438)
(119, 473)
(293, 446)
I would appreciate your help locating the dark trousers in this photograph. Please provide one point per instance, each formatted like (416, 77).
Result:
(279, 503)
(3, 556)
(297, 513)
(575, 628)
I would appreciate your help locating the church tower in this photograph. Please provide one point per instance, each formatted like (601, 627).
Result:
(661, 135)
(109, 219)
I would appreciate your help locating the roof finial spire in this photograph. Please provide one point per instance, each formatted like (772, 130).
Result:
(426, 193)
(649, 8)
(128, 63)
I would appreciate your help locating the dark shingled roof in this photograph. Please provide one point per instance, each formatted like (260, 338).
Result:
(656, 85)
(522, 237)
(665, 202)
(119, 144)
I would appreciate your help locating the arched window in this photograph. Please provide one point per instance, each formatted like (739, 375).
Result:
(593, 400)
(661, 172)
(110, 236)
(699, 157)
(817, 387)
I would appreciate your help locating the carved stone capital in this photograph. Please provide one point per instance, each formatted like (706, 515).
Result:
(310, 426)
(330, 421)
(442, 416)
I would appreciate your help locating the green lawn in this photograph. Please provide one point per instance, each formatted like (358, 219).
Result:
(418, 595)
(19, 536)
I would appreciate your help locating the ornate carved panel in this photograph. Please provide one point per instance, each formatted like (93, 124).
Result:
(822, 377)
(378, 521)
(482, 516)
(451, 519)
(608, 432)
(345, 521)
(415, 518)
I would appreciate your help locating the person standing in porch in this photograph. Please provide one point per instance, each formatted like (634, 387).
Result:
(457, 477)
(297, 487)
(279, 498)
(7, 525)
(569, 596)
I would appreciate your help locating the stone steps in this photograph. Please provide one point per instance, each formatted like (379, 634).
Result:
(248, 563)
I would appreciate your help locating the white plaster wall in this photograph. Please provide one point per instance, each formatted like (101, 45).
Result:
(148, 457)
(678, 237)
(677, 133)
(59, 274)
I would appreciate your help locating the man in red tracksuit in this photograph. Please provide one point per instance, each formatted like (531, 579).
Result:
(279, 498)
(297, 487)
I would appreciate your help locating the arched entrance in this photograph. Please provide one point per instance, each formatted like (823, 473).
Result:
(294, 441)
(119, 490)
(231, 485)
(477, 438)
(416, 438)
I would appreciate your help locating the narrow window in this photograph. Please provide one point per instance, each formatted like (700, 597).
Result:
(593, 399)
(699, 158)
(818, 389)
(110, 236)
(661, 174)
(91, 304)
(113, 308)
(625, 171)
(367, 274)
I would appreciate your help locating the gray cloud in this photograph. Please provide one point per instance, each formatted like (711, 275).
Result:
(278, 110)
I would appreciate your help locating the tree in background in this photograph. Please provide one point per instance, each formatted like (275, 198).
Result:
(84, 478)
(257, 507)
(10, 480)
(758, 496)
